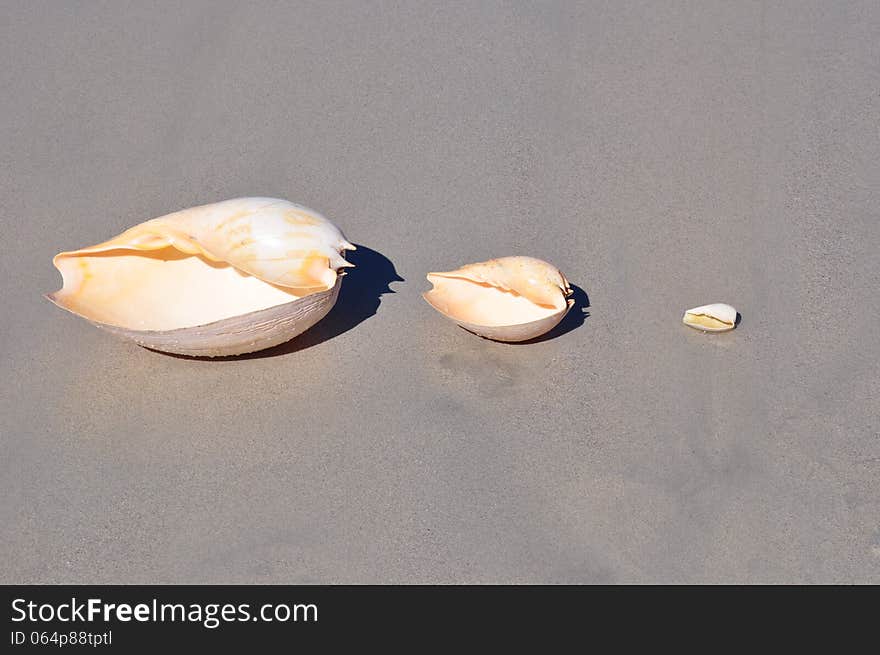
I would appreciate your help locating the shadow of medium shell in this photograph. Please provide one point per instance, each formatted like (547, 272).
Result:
(507, 299)
(223, 279)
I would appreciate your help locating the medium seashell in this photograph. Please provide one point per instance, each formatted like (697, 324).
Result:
(505, 299)
(711, 318)
(221, 279)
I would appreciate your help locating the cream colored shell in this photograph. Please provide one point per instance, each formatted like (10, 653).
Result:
(221, 279)
(506, 299)
(717, 317)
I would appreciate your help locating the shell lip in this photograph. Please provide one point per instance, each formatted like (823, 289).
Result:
(733, 324)
(53, 298)
(569, 303)
(303, 293)
(566, 291)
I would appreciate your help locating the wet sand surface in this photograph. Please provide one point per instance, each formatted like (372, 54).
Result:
(662, 156)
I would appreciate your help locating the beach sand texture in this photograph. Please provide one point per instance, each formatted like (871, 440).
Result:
(663, 156)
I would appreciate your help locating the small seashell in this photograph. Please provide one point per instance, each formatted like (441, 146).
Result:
(505, 299)
(221, 279)
(711, 318)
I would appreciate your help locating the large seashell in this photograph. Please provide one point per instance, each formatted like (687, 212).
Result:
(505, 299)
(711, 318)
(221, 279)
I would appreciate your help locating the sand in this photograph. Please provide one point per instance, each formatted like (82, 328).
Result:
(662, 156)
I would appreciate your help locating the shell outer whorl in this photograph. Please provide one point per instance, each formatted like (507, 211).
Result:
(275, 240)
(534, 279)
(717, 317)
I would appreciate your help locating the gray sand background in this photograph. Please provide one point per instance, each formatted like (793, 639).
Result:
(663, 155)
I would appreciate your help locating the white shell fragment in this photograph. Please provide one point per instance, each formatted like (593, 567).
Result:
(717, 317)
(505, 299)
(221, 279)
